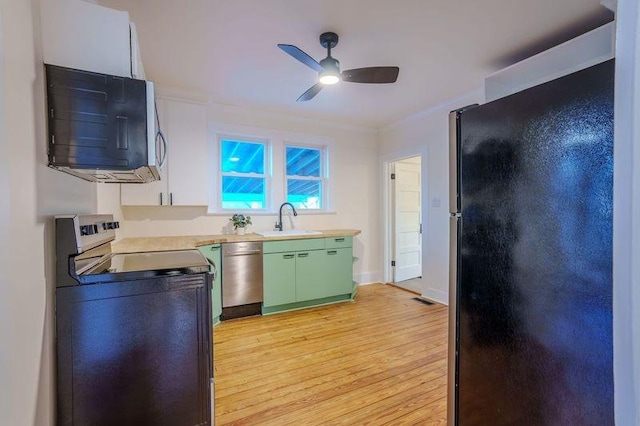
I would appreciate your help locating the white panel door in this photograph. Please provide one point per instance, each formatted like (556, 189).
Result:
(408, 238)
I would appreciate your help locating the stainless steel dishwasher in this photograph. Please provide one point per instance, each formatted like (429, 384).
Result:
(241, 279)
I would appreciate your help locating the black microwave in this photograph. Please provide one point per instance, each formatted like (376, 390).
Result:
(102, 128)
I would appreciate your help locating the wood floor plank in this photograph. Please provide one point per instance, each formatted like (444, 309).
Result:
(378, 360)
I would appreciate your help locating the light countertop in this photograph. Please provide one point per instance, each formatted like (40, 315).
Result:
(144, 244)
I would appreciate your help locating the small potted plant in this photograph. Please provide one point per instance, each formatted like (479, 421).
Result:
(240, 222)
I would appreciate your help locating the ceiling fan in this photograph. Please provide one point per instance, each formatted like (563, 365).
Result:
(329, 68)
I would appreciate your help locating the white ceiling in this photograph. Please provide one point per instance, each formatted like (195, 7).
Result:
(227, 50)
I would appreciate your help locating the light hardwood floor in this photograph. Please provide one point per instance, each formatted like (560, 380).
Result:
(379, 360)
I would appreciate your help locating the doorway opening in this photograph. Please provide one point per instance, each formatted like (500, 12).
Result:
(405, 230)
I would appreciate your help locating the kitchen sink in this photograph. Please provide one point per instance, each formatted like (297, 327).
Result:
(288, 232)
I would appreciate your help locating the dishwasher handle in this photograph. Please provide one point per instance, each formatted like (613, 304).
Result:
(242, 253)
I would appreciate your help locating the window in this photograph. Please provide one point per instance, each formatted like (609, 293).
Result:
(305, 177)
(243, 174)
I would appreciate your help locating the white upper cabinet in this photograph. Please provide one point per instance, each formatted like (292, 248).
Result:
(86, 36)
(187, 153)
(185, 176)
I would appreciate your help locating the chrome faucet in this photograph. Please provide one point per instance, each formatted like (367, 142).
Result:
(279, 222)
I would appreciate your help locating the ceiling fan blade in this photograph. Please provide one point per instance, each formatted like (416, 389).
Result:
(371, 75)
(309, 94)
(301, 56)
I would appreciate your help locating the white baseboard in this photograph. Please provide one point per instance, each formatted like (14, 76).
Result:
(368, 278)
(437, 296)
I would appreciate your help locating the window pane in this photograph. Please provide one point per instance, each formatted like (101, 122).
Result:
(243, 193)
(242, 157)
(304, 194)
(303, 162)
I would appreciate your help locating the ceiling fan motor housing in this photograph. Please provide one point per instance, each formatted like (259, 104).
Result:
(329, 40)
(330, 64)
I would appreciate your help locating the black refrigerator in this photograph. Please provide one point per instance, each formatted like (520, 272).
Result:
(531, 256)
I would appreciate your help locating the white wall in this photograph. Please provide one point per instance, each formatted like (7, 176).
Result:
(31, 194)
(626, 220)
(5, 330)
(427, 134)
(353, 177)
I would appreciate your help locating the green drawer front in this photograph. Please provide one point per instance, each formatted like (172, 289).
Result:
(293, 245)
(338, 242)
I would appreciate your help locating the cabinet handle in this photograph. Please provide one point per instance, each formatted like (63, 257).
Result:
(171, 198)
(339, 240)
(303, 254)
(161, 198)
(332, 252)
(288, 256)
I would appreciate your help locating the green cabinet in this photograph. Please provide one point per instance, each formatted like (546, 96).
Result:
(339, 270)
(306, 272)
(338, 242)
(311, 280)
(214, 256)
(279, 278)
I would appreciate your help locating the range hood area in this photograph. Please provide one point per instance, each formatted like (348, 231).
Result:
(102, 127)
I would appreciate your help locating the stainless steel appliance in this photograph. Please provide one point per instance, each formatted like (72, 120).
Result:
(531, 261)
(102, 128)
(133, 331)
(242, 279)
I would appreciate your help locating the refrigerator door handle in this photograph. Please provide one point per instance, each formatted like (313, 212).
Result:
(455, 148)
(454, 205)
(452, 361)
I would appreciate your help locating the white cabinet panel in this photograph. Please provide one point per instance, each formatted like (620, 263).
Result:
(86, 36)
(187, 153)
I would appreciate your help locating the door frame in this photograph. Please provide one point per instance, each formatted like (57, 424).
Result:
(387, 206)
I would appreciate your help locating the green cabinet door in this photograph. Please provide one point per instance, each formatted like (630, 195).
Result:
(339, 270)
(214, 257)
(279, 278)
(311, 270)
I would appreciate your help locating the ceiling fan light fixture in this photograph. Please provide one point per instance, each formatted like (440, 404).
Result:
(330, 73)
(328, 77)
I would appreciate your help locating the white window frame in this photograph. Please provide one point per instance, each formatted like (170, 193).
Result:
(266, 175)
(324, 173)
